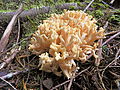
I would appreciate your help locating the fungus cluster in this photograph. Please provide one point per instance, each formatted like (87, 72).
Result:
(64, 38)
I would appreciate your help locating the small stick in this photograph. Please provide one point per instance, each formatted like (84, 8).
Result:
(106, 24)
(70, 84)
(60, 85)
(115, 45)
(111, 38)
(116, 75)
(10, 75)
(111, 63)
(108, 5)
(103, 85)
(8, 83)
(82, 72)
(88, 5)
(14, 46)
(116, 58)
(8, 60)
(112, 1)
(69, 80)
(5, 37)
(110, 33)
(43, 10)
(99, 52)
(18, 30)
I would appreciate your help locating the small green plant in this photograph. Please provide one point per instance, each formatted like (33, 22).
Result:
(104, 48)
(98, 13)
(80, 4)
(72, 7)
(97, 4)
(114, 18)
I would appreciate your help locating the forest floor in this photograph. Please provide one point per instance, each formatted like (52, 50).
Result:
(19, 68)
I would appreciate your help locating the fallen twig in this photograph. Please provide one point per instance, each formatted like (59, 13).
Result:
(108, 5)
(106, 25)
(115, 45)
(14, 51)
(82, 72)
(70, 84)
(5, 37)
(88, 5)
(99, 52)
(18, 30)
(115, 75)
(8, 83)
(117, 56)
(110, 33)
(103, 85)
(112, 1)
(14, 46)
(70, 80)
(8, 60)
(9, 75)
(60, 84)
(111, 38)
(42, 10)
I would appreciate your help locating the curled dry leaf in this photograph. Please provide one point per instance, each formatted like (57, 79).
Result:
(64, 38)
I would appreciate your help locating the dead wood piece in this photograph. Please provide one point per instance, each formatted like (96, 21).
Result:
(8, 83)
(60, 85)
(88, 5)
(70, 84)
(117, 56)
(68, 5)
(70, 80)
(112, 37)
(99, 52)
(108, 5)
(5, 37)
(43, 10)
(8, 60)
(111, 33)
(112, 1)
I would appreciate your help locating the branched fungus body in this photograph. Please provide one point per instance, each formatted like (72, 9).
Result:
(64, 38)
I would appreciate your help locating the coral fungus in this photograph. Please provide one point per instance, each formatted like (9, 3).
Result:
(64, 38)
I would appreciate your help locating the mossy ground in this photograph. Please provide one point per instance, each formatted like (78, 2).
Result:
(25, 60)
